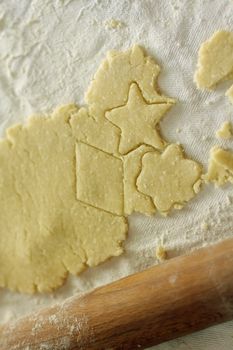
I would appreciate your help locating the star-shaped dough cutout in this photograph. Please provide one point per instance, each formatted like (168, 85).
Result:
(138, 121)
(169, 178)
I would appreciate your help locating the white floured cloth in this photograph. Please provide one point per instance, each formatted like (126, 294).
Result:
(49, 51)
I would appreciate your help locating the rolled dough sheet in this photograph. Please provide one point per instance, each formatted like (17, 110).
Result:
(45, 231)
(69, 179)
(99, 179)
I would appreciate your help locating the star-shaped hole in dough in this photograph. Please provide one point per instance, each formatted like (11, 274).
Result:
(138, 121)
(168, 178)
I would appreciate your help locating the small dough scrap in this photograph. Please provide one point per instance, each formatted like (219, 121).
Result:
(134, 200)
(113, 24)
(44, 231)
(220, 169)
(226, 131)
(110, 86)
(205, 226)
(161, 253)
(99, 179)
(138, 121)
(215, 60)
(169, 178)
(98, 133)
(229, 94)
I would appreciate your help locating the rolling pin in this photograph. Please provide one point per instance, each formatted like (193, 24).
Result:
(175, 298)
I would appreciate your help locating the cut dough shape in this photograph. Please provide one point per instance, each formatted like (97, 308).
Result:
(98, 133)
(138, 121)
(134, 200)
(226, 131)
(110, 86)
(220, 169)
(168, 178)
(45, 231)
(215, 60)
(99, 179)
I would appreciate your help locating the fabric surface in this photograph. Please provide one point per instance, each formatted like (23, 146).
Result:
(49, 51)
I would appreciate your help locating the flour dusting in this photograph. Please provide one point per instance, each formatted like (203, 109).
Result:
(49, 51)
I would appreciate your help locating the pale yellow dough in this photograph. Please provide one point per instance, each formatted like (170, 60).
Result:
(226, 131)
(134, 200)
(138, 121)
(113, 24)
(68, 180)
(110, 89)
(229, 94)
(110, 86)
(161, 253)
(215, 62)
(169, 178)
(99, 179)
(98, 133)
(45, 231)
(220, 169)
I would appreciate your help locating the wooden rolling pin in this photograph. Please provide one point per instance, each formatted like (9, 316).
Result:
(178, 297)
